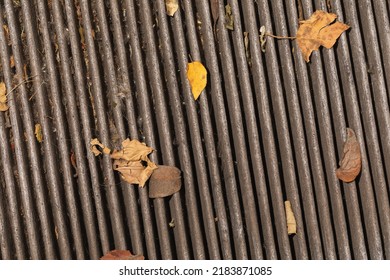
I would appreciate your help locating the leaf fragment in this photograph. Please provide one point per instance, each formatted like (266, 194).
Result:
(3, 97)
(214, 11)
(263, 38)
(318, 31)
(291, 222)
(38, 132)
(197, 76)
(229, 20)
(351, 162)
(133, 162)
(171, 7)
(121, 255)
(96, 143)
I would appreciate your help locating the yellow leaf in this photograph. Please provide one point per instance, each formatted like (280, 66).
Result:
(171, 6)
(291, 223)
(3, 97)
(38, 132)
(197, 76)
(317, 31)
(95, 142)
(131, 160)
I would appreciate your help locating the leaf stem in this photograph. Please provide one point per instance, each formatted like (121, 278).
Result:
(280, 37)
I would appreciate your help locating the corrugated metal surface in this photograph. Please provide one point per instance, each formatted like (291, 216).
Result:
(268, 128)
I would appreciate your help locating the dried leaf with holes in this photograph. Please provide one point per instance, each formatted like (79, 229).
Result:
(291, 223)
(171, 6)
(133, 162)
(96, 143)
(317, 31)
(38, 132)
(197, 76)
(165, 181)
(3, 98)
(351, 162)
(121, 255)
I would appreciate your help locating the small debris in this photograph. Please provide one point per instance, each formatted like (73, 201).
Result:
(96, 143)
(263, 38)
(229, 20)
(38, 132)
(171, 6)
(172, 223)
(3, 98)
(291, 222)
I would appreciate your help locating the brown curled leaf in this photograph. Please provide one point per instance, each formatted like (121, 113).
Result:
(121, 255)
(351, 161)
(291, 222)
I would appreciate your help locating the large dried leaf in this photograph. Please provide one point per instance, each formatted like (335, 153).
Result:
(318, 31)
(171, 6)
(351, 162)
(121, 255)
(134, 172)
(3, 97)
(197, 76)
(291, 222)
(133, 162)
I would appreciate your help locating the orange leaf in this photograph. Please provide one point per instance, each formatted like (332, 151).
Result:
(317, 31)
(351, 163)
(197, 76)
(121, 255)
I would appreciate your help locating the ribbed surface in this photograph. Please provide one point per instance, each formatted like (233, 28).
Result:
(268, 128)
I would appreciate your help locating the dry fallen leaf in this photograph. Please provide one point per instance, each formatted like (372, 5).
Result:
(351, 162)
(229, 20)
(121, 255)
(317, 31)
(38, 132)
(3, 97)
(291, 223)
(171, 6)
(131, 161)
(197, 76)
(95, 142)
(165, 181)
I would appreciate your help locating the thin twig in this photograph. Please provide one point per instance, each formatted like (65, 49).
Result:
(280, 37)
(28, 80)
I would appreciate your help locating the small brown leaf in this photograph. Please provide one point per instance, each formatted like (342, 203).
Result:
(95, 142)
(3, 98)
(291, 222)
(133, 150)
(171, 6)
(351, 162)
(317, 31)
(38, 132)
(165, 181)
(121, 255)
